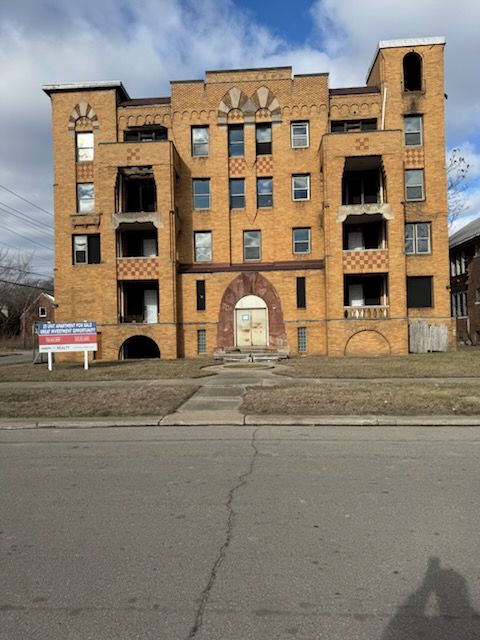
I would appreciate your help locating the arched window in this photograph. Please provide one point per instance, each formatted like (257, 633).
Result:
(412, 72)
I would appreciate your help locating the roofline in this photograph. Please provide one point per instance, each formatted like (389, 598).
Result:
(404, 42)
(248, 69)
(86, 86)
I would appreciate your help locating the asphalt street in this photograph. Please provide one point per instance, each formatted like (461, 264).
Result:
(238, 533)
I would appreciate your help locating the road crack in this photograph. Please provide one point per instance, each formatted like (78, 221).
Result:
(242, 481)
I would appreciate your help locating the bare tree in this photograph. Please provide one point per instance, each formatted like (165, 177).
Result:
(457, 173)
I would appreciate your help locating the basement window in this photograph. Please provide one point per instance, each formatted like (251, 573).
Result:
(201, 341)
(302, 339)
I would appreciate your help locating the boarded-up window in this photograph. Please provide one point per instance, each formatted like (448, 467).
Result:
(419, 291)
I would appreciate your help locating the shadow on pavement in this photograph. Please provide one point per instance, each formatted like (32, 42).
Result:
(439, 609)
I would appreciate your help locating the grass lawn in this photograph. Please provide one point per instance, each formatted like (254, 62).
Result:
(84, 402)
(116, 370)
(365, 399)
(464, 363)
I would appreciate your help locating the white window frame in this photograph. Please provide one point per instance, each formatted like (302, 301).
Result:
(80, 244)
(42, 312)
(298, 138)
(257, 245)
(84, 152)
(195, 181)
(415, 238)
(296, 189)
(196, 247)
(416, 177)
(85, 204)
(296, 242)
(416, 131)
(197, 145)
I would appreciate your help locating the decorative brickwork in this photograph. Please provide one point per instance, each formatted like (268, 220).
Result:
(365, 261)
(414, 158)
(133, 155)
(137, 269)
(367, 343)
(83, 110)
(84, 171)
(361, 144)
(237, 166)
(264, 165)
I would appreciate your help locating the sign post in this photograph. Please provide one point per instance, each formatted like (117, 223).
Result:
(54, 337)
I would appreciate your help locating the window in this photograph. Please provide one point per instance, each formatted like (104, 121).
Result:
(137, 190)
(201, 193)
(299, 133)
(251, 245)
(361, 187)
(85, 197)
(477, 295)
(42, 312)
(348, 126)
(301, 294)
(412, 126)
(412, 72)
(301, 187)
(84, 147)
(236, 145)
(414, 190)
(301, 240)
(203, 246)
(263, 137)
(419, 291)
(201, 341)
(86, 249)
(302, 339)
(417, 237)
(264, 193)
(153, 133)
(201, 302)
(200, 140)
(237, 193)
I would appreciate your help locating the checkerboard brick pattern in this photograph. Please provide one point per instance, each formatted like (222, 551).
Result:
(264, 165)
(237, 166)
(414, 158)
(137, 269)
(84, 171)
(133, 155)
(370, 261)
(361, 144)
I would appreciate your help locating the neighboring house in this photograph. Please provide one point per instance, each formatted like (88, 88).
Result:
(465, 281)
(256, 209)
(42, 309)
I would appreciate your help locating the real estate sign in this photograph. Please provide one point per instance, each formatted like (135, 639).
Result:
(66, 336)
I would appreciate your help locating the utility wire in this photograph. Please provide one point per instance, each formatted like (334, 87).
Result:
(25, 238)
(24, 215)
(35, 257)
(25, 200)
(33, 273)
(22, 284)
(25, 222)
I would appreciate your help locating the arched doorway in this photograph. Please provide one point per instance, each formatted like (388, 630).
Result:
(138, 347)
(251, 322)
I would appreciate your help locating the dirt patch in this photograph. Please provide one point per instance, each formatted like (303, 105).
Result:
(364, 399)
(85, 402)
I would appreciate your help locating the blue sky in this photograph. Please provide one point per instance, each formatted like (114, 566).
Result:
(147, 43)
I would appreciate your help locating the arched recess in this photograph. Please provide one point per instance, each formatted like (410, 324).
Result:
(263, 99)
(412, 72)
(235, 98)
(82, 110)
(367, 342)
(251, 284)
(138, 347)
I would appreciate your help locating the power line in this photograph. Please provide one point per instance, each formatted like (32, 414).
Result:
(25, 238)
(36, 229)
(33, 273)
(21, 284)
(25, 200)
(35, 256)
(36, 222)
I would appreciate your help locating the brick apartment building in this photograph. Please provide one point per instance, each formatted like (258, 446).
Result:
(465, 281)
(255, 209)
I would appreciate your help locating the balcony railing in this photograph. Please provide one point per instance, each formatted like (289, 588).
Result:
(369, 312)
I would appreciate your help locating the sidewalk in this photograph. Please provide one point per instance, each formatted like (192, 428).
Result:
(218, 402)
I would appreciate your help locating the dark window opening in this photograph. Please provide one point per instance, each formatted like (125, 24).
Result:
(139, 347)
(263, 138)
(363, 291)
(137, 241)
(361, 187)
(153, 133)
(86, 249)
(137, 190)
(364, 232)
(412, 72)
(301, 294)
(347, 126)
(139, 301)
(201, 301)
(419, 292)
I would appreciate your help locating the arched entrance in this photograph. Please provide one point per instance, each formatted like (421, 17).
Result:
(138, 347)
(251, 322)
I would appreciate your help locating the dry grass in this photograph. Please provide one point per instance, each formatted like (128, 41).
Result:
(10, 345)
(118, 370)
(84, 402)
(465, 363)
(365, 399)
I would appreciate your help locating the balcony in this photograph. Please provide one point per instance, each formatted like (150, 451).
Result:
(365, 297)
(363, 189)
(371, 312)
(138, 302)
